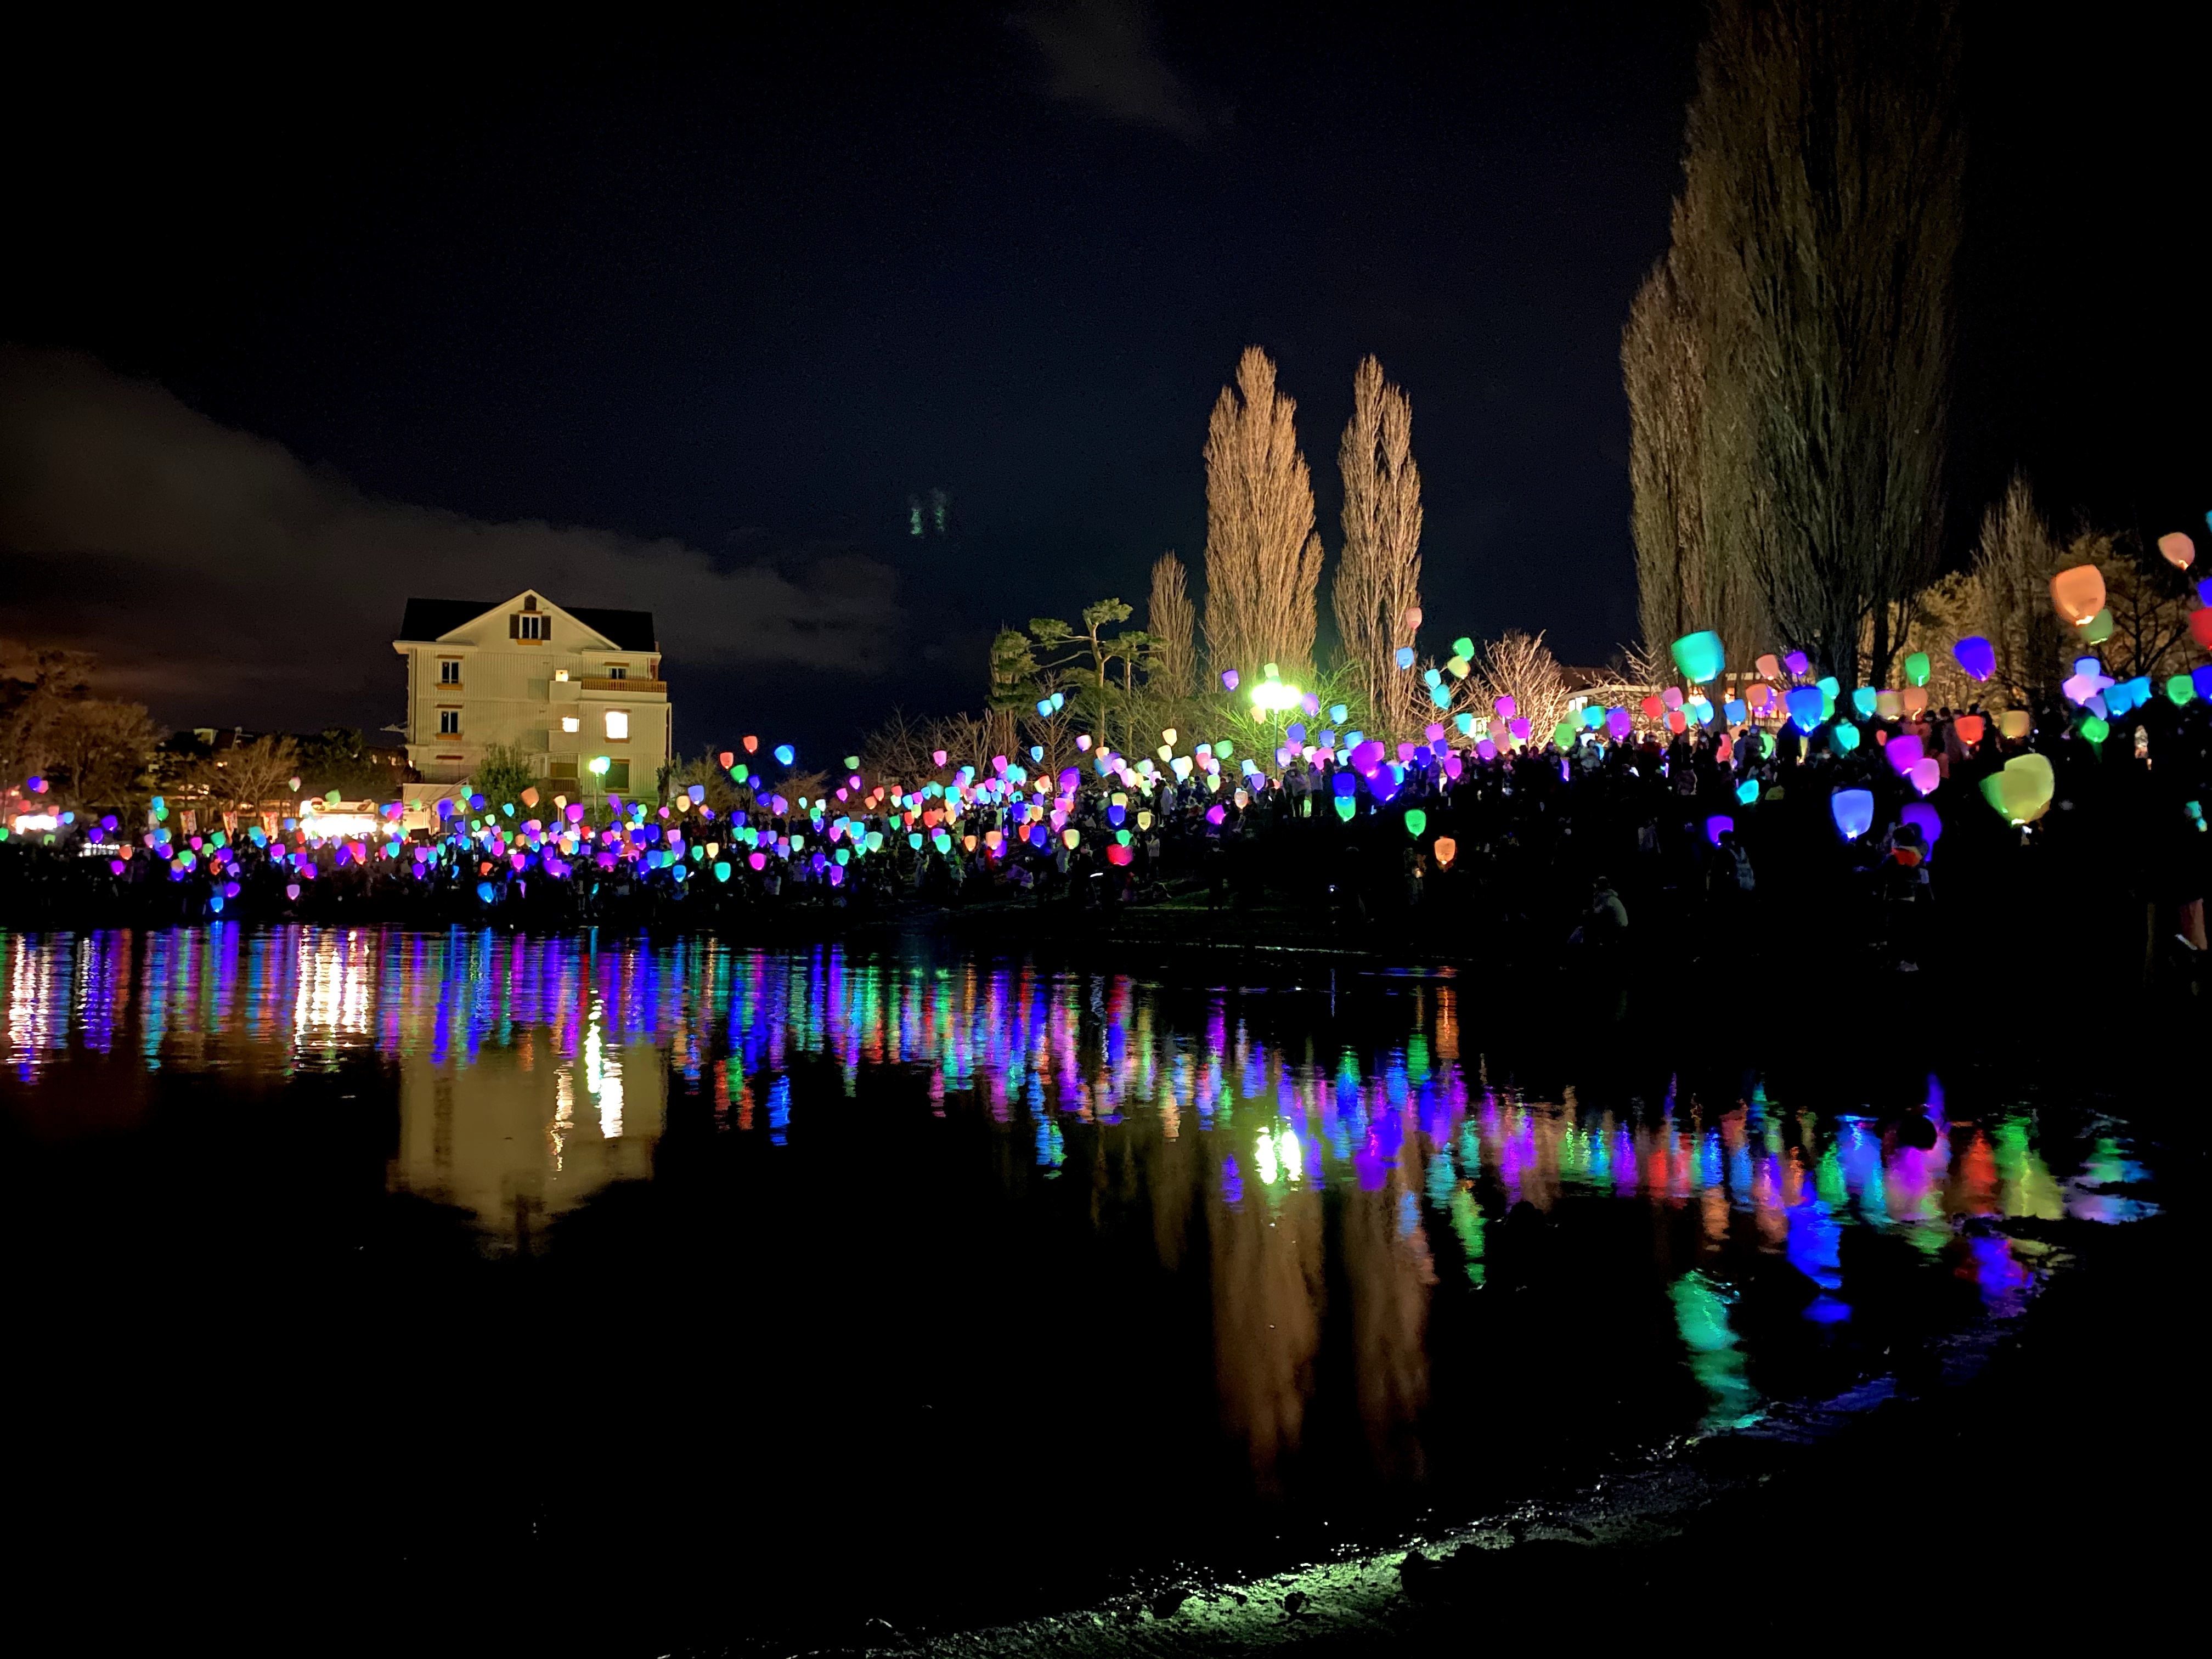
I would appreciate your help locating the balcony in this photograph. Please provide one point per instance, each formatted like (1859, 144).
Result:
(644, 688)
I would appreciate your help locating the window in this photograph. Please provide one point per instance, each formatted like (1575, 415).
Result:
(449, 671)
(570, 723)
(560, 771)
(525, 626)
(618, 776)
(617, 725)
(561, 675)
(617, 670)
(449, 722)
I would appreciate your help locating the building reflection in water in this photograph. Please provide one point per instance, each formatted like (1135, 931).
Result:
(534, 1072)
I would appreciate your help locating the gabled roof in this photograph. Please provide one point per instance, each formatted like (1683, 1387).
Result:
(433, 619)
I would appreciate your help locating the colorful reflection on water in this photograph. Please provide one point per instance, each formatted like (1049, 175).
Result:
(1368, 1182)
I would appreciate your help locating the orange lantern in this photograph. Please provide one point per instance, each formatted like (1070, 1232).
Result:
(1916, 699)
(2200, 626)
(2178, 550)
(1756, 697)
(2078, 594)
(1446, 849)
(1769, 667)
(752, 746)
(1969, 728)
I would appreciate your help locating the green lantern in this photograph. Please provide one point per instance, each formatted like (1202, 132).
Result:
(1700, 656)
(1916, 668)
(1417, 820)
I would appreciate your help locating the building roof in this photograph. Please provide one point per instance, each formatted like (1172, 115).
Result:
(430, 619)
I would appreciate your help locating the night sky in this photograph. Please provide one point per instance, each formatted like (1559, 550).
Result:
(681, 321)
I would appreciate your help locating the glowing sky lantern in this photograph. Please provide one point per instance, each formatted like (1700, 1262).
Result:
(1977, 656)
(1916, 668)
(1747, 791)
(1507, 707)
(1700, 656)
(1806, 707)
(2078, 594)
(1843, 737)
(1853, 812)
(1229, 679)
(1620, 722)
(752, 746)
(785, 754)
(2098, 628)
(2179, 690)
(1417, 821)
(1969, 728)
(2177, 550)
(1769, 667)
(2200, 627)
(1903, 751)
(2022, 790)
(1864, 701)
(1796, 662)
(1924, 775)
(1404, 656)
(1346, 806)
(1736, 711)
(1564, 735)
(1717, 826)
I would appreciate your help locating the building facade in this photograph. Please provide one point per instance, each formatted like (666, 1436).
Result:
(567, 688)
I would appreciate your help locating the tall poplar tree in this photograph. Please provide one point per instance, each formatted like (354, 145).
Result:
(1818, 236)
(1262, 556)
(1378, 576)
(1173, 624)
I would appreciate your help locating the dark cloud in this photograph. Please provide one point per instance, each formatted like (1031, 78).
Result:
(221, 580)
(1100, 53)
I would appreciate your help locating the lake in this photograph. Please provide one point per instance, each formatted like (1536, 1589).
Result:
(981, 1284)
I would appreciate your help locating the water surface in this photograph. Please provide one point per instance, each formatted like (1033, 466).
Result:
(1006, 1280)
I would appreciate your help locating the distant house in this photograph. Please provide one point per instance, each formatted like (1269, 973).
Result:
(566, 687)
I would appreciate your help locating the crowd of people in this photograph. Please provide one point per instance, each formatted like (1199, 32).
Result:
(1771, 844)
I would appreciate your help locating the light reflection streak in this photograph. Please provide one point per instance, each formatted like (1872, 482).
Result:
(505, 1045)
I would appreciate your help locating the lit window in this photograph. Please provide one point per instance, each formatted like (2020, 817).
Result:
(449, 722)
(617, 725)
(617, 670)
(449, 671)
(570, 723)
(560, 674)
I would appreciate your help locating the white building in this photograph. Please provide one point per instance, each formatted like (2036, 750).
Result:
(566, 687)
